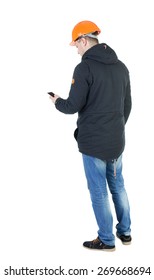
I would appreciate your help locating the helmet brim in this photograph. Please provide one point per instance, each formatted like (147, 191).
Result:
(72, 43)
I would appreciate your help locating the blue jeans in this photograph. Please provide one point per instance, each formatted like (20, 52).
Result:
(98, 174)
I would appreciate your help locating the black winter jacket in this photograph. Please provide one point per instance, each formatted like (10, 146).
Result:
(100, 93)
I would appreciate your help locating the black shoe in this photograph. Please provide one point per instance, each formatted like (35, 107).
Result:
(125, 239)
(98, 244)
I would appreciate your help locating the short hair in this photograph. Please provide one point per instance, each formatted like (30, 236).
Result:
(93, 39)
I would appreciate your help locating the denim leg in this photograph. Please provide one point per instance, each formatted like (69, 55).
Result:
(119, 197)
(95, 170)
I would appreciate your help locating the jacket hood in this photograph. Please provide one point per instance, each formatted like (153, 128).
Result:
(101, 53)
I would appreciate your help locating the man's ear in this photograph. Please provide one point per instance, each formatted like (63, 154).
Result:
(84, 41)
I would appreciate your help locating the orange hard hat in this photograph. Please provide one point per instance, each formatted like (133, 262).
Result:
(82, 28)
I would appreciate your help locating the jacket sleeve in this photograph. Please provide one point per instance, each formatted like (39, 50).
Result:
(127, 102)
(78, 91)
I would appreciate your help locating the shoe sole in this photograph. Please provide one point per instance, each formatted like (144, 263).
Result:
(126, 243)
(105, 250)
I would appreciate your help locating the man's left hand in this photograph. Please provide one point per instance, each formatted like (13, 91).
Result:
(54, 98)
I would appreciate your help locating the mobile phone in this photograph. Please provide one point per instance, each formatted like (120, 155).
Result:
(51, 93)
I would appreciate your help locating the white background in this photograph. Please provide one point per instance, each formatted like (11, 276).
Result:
(45, 208)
